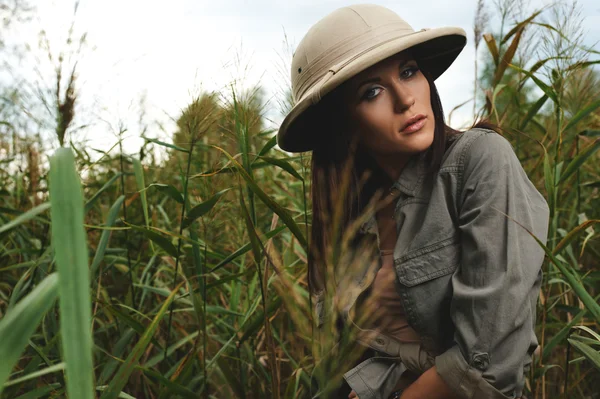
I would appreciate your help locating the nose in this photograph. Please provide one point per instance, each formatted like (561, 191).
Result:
(403, 97)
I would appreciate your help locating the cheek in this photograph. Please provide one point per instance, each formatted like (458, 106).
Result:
(424, 94)
(372, 117)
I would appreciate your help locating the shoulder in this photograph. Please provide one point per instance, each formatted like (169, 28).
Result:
(480, 149)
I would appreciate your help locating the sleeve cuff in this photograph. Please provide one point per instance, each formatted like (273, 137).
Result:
(466, 379)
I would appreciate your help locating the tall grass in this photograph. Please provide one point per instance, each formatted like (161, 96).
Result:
(197, 280)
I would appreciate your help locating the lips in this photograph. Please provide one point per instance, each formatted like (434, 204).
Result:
(413, 124)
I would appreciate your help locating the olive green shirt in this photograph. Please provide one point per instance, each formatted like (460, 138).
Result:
(468, 271)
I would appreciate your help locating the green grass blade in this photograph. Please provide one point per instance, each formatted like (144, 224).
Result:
(533, 111)
(110, 221)
(117, 351)
(48, 370)
(202, 208)
(141, 186)
(162, 143)
(245, 248)
(283, 164)
(162, 242)
(169, 190)
(272, 204)
(573, 234)
(120, 379)
(70, 248)
(545, 88)
(560, 336)
(520, 26)
(105, 187)
(589, 302)
(582, 114)
(30, 214)
(267, 147)
(17, 326)
(549, 182)
(576, 163)
(590, 353)
(39, 392)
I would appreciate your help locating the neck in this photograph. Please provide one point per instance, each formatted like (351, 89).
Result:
(392, 164)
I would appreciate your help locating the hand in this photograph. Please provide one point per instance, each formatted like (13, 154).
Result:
(353, 395)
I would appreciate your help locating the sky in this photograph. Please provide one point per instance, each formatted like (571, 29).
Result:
(167, 52)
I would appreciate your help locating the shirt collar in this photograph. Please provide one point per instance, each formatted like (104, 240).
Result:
(409, 182)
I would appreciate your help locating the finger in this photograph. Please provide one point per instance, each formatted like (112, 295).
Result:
(353, 395)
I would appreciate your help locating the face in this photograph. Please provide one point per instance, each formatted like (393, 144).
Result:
(389, 108)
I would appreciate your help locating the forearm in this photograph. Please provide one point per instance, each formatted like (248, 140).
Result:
(429, 386)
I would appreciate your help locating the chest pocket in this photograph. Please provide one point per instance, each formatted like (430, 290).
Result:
(428, 263)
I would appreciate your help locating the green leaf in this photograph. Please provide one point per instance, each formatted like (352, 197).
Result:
(272, 204)
(116, 353)
(257, 321)
(162, 143)
(48, 370)
(95, 197)
(549, 181)
(169, 190)
(582, 65)
(202, 209)
(158, 239)
(121, 395)
(560, 336)
(69, 240)
(590, 353)
(30, 214)
(174, 387)
(582, 114)
(141, 185)
(590, 133)
(533, 110)
(545, 88)
(283, 164)
(247, 247)
(120, 379)
(270, 144)
(110, 221)
(573, 234)
(589, 331)
(589, 302)
(576, 163)
(18, 324)
(520, 26)
(131, 322)
(39, 392)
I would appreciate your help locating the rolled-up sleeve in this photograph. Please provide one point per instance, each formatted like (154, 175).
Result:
(496, 287)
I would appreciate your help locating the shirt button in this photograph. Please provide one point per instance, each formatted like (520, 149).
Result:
(481, 361)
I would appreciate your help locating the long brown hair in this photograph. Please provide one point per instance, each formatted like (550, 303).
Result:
(345, 178)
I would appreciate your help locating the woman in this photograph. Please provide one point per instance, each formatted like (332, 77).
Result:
(457, 276)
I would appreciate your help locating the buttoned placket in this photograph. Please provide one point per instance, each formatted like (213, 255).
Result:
(408, 185)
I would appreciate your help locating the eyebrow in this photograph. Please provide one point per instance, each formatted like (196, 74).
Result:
(377, 78)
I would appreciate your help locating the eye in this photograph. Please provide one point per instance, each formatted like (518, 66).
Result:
(409, 72)
(371, 93)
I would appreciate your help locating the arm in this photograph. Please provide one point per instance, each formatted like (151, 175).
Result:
(429, 386)
(495, 288)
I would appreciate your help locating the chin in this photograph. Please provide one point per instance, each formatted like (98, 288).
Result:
(417, 141)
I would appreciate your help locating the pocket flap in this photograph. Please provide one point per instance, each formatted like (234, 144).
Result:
(428, 263)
